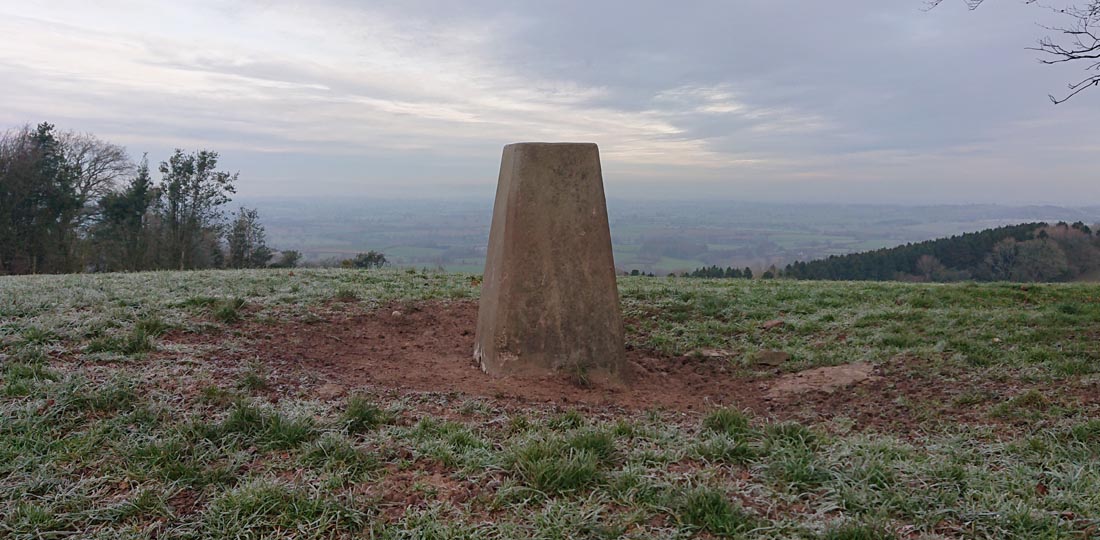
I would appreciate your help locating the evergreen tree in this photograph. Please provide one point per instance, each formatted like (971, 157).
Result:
(193, 192)
(288, 259)
(122, 234)
(39, 203)
(370, 259)
(247, 241)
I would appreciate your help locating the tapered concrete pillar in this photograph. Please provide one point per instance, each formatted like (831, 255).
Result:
(548, 299)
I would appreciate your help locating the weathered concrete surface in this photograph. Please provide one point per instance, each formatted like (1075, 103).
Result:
(548, 299)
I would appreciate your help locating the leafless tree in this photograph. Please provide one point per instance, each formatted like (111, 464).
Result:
(1078, 41)
(98, 164)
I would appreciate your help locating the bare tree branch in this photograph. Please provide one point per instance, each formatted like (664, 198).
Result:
(1076, 88)
(970, 4)
(98, 163)
(1080, 40)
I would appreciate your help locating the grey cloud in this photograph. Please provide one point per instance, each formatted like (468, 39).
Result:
(852, 99)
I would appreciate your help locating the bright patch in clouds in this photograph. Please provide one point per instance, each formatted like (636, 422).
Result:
(322, 80)
(430, 93)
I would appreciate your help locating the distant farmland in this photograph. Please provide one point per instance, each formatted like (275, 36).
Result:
(651, 237)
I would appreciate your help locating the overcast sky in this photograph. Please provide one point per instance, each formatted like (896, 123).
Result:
(851, 100)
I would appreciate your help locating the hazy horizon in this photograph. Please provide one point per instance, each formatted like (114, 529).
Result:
(486, 194)
(652, 235)
(844, 102)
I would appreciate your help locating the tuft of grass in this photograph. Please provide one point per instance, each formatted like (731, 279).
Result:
(268, 429)
(453, 435)
(229, 311)
(518, 423)
(24, 378)
(253, 379)
(552, 467)
(117, 395)
(345, 294)
(216, 396)
(727, 422)
(360, 415)
(37, 372)
(1087, 433)
(33, 354)
(724, 449)
(148, 504)
(152, 326)
(28, 519)
(38, 336)
(337, 456)
(857, 531)
(266, 509)
(798, 469)
(790, 435)
(709, 509)
(178, 459)
(572, 471)
(563, 464)
(578, 375)
(570, 419)
(1022, 406)
(1074, 367)
(138, 341)
(200, 302)
(625, 429)
(600, 443)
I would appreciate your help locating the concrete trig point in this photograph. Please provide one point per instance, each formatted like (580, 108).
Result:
(548, 299)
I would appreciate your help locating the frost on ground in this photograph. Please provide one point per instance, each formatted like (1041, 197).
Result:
(293, 404)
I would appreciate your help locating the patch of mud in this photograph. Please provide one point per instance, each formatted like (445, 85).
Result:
(403, 489)
(428, 348)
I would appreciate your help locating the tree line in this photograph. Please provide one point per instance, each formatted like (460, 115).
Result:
(72, 202)
(1030, 252)
(715, 271)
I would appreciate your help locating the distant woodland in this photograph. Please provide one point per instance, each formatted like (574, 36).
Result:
(1031, 252)
(71, 202)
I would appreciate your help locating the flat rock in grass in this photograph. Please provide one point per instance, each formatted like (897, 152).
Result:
(770, 358)
(827, 379)
(712, 353)
(775, 323)
(329, 391)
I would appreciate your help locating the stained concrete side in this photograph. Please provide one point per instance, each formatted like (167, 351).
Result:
(549, 300)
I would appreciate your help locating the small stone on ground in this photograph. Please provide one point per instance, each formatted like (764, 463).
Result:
(771, 358)
(329, 391)
(827, 379)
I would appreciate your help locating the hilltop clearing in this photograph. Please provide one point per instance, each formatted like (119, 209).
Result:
(344, 403)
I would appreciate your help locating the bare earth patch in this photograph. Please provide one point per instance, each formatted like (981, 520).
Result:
(427, 348)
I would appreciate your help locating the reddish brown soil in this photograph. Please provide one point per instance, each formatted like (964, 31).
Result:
(427, 347)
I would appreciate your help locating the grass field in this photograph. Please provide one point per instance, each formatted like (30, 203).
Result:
(118, 419)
